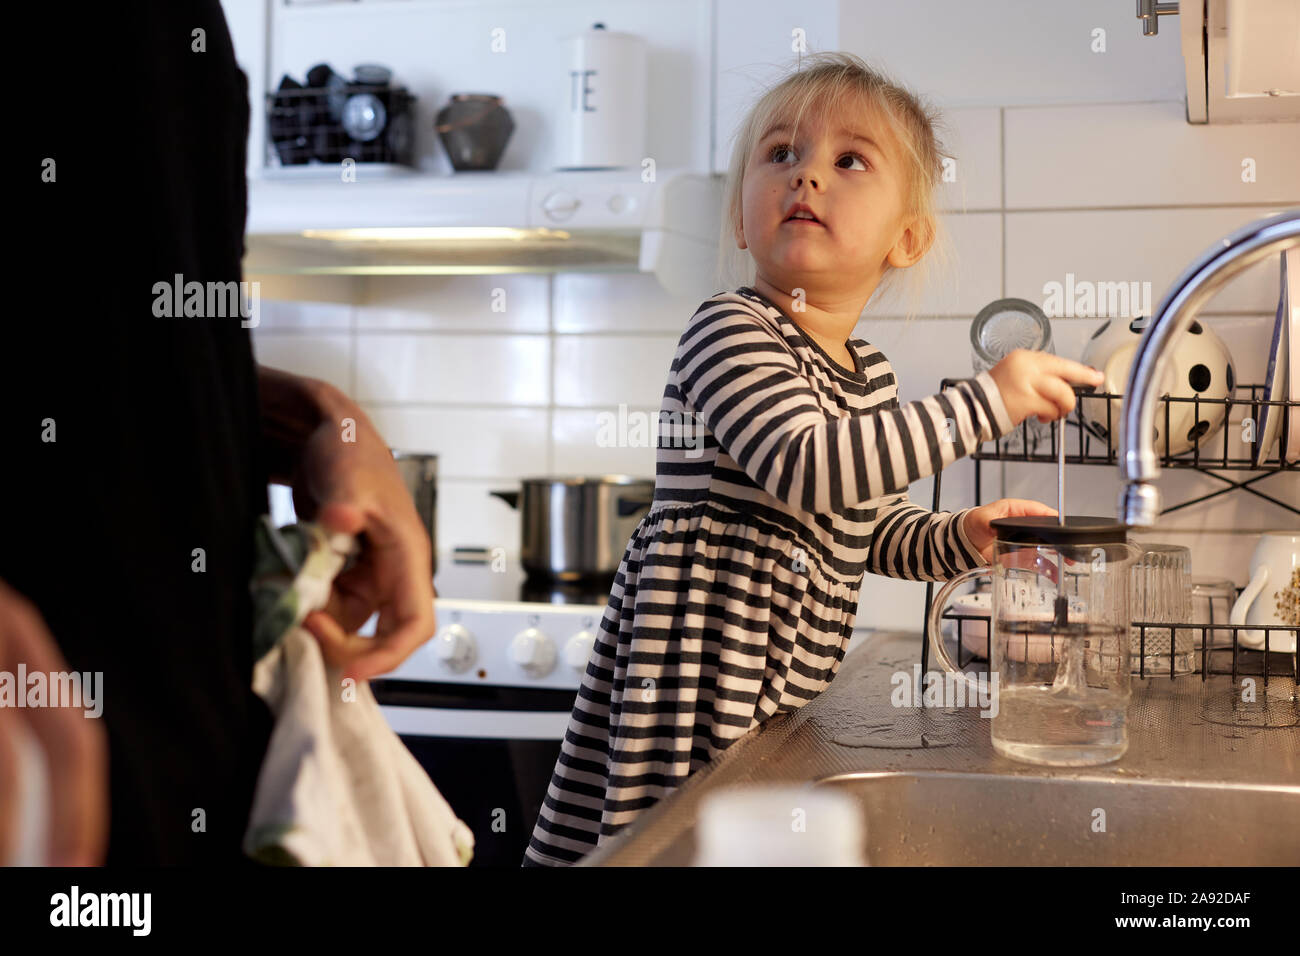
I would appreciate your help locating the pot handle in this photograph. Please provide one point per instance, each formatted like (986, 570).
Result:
(628, 506)
(509, 497)
(934, 631)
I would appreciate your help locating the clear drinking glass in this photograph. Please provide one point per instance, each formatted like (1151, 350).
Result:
(1161, 591)
(1212, 600)
(999, 328)
(1059, 665)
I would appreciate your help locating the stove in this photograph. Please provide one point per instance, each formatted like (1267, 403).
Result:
(500, 628)
(484, 704)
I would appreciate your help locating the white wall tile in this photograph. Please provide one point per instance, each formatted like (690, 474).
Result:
(1144, 154)
(597, 302)
(1149, 245)
(279, 315)
(968, 281)
(461, 369)
(510, 303)
(468, 515)
(469, 442)
(974, 141)
(609, 370)
(582, 446)
(324, 356)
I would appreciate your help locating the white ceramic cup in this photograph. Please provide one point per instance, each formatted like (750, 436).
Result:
(1273, 594)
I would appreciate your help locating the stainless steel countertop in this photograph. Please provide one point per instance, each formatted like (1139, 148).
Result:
(1181, 730)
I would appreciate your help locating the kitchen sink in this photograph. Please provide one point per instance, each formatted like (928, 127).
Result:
(921, 818)
(1208, 779)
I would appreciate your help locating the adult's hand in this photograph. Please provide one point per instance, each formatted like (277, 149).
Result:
(344, 477)
(75, 746)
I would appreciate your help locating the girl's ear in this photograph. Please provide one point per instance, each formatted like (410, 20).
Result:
(740, 235)
(912, 244)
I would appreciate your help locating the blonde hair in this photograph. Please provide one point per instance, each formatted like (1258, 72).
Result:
(829, 81)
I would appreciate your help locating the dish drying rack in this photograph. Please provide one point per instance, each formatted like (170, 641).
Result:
(1230, 658)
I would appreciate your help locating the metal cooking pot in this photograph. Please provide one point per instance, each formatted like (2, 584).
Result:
(578, 527)
(420, 475)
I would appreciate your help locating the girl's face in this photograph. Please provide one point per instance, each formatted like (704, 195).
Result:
(845, 172)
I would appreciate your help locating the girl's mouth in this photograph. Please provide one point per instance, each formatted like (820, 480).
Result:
(802, 215)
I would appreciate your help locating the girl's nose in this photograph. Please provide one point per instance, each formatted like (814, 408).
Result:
(803, 176)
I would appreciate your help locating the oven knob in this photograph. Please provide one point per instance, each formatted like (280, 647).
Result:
(533, 652)
(454, 648)
(578, 651)
(560, 206)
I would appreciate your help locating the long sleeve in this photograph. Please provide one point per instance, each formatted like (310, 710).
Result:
(918, 545)
(735, 372)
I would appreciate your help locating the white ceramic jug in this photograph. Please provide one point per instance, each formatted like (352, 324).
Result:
(1273, 594)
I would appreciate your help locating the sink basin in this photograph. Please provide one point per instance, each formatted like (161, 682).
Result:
(971, 819)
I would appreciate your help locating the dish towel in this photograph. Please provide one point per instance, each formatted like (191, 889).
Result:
(337, 786)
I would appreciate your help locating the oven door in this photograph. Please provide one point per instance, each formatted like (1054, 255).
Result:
(490, 751)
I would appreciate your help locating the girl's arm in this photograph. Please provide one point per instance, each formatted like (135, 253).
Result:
(734, 371)
(918, 545)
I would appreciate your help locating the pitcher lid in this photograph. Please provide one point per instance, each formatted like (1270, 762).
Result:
(1047, 529)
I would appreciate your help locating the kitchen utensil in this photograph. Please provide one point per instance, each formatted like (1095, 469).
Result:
(1212, 600)
(372, 74)
(1277, 385)
(474, 129)
(1160, 590)
(577, 527)
(1065, 707)
(288, 123)
(1202, 366)
(420, 475)
(1001, 327)
(364, 116)
(336, 96)
(604, 105)
(1273, 594)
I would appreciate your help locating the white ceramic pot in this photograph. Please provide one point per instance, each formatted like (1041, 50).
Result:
(1201, 366)
(1273, 594)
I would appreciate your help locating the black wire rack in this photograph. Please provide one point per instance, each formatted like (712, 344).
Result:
(1089, 442)
(1215, 658)
(303, 128)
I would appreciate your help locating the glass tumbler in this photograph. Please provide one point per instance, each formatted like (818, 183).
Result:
(1161, 592)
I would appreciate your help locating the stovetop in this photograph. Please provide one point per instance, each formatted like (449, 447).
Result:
(501, 578)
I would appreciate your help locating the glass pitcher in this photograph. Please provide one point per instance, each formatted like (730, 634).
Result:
(1059, 636)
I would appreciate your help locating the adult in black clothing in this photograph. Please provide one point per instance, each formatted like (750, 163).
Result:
(137, 447)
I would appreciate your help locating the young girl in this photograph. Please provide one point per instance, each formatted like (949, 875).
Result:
(737, 595)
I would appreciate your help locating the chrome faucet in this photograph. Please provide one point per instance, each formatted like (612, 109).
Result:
(1149, 12)
(1139, 499)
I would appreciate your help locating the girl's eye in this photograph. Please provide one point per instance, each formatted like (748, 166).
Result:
(780, 153)
(853, 157)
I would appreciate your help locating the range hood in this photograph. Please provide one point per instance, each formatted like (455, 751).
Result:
(487, 223)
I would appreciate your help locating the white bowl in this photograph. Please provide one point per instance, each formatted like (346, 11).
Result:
(1202, 366)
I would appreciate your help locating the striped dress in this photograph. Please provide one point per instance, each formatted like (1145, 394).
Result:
(781, 478)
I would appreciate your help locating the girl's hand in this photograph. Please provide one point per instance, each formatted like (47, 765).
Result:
(1039, 383)
(977, 523)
